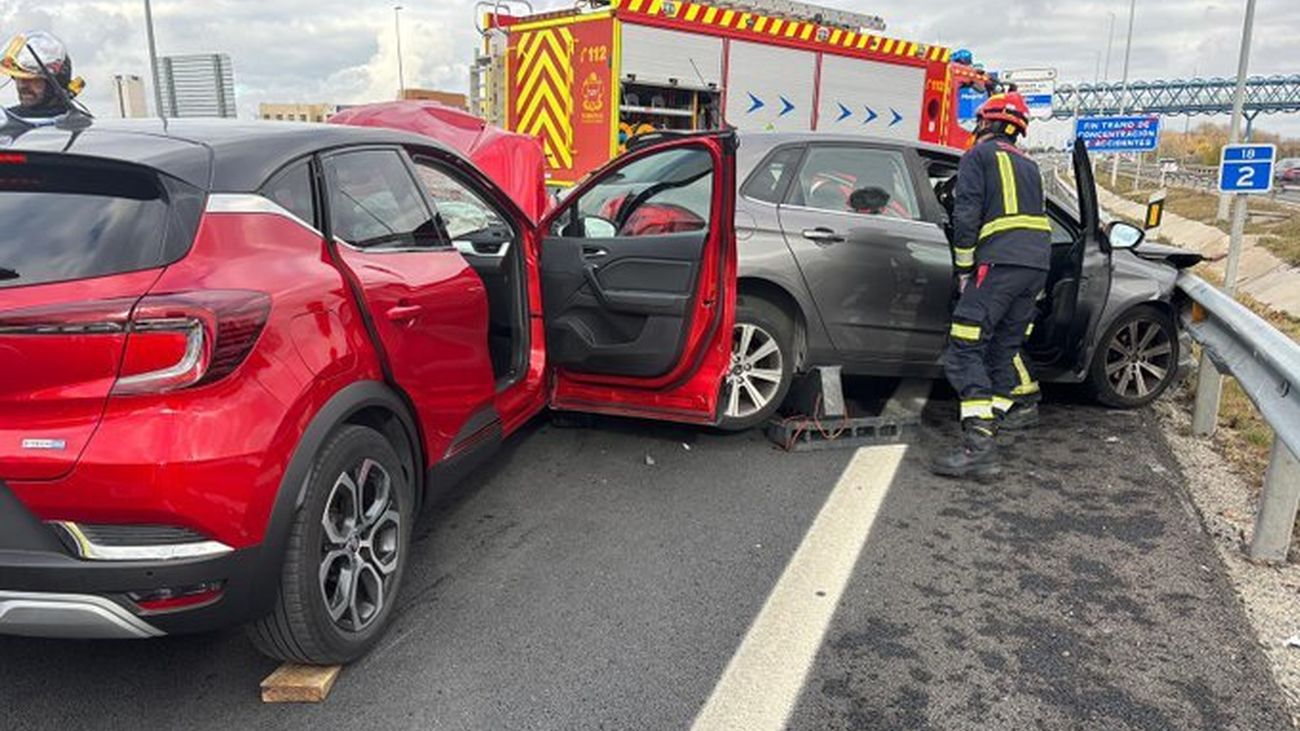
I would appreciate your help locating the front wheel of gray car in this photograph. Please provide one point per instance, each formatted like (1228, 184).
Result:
(1136, 360)
(762, 364)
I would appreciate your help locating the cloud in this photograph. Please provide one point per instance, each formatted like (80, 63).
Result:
(344, 51)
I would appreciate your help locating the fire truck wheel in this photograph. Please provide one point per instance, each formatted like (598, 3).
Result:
(762, 364)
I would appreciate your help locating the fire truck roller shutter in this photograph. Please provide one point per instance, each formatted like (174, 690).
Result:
(892, 92)
(770, 89)
(661, 57)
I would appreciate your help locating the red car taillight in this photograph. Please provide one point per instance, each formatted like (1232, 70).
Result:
(189, 339)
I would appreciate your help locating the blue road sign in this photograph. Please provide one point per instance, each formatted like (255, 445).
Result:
(968, 102)
(1038, 100)
(1119, 134)
(1247, 168)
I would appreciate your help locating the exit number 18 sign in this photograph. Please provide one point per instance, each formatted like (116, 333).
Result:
(1247, 168)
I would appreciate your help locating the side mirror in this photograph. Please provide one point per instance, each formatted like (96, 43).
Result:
(869, 200)
(595, 227)
(1124, 235)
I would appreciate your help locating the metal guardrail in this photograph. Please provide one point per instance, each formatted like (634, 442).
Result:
(1266, 363)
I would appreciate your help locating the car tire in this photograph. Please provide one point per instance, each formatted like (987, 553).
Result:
(759, 379)
(1126, 377)
(346, 554)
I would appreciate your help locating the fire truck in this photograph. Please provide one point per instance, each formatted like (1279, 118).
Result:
(588, 78)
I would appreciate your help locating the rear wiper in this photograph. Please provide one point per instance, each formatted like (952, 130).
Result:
(8, 274)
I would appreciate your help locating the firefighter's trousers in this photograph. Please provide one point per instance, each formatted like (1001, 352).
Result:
(989, 325)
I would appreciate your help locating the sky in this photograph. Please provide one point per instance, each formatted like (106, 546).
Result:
(344, 51)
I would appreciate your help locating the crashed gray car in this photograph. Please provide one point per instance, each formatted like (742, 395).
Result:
(845, 260)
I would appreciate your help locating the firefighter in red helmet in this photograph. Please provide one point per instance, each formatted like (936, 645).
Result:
(1002, 253)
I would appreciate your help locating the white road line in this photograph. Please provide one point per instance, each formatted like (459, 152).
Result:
(761, 684)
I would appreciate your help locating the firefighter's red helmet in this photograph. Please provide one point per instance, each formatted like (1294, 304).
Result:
(1008, 107)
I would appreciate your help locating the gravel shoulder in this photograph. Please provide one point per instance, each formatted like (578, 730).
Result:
(1226, 502)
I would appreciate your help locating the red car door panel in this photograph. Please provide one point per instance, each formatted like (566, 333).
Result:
(426, 305)
(638, 276)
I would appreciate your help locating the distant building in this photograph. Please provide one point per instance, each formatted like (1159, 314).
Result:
(128, 93)
(446, 98)
(296, 112)
(201, 85)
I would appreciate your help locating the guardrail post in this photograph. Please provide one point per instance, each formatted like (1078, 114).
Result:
(1209, 390)
(1277, 506)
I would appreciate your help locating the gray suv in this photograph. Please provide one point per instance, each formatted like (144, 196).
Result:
(845, 259)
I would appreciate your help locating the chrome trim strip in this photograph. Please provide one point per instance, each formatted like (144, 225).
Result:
(439, 249)
(189, 359)
(71, 616)
(92, 551)
(253, 203)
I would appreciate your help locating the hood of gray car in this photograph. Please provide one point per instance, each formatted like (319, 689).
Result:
(1176, 257)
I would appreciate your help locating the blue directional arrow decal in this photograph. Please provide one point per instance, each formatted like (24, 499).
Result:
(756, 103)
(897, 117)
(845, 112)
(786, 107)
(871, 116)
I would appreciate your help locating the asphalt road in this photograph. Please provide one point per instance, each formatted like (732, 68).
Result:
(575, 585)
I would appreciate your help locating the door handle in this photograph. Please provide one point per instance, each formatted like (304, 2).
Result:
(594, 252)
(822, 235)
(404, 313)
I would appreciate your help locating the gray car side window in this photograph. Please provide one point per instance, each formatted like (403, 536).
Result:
(856, 179)
(769, 180)
(1062, 235)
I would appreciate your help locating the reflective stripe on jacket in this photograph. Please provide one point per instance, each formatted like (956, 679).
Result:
(1000, 214)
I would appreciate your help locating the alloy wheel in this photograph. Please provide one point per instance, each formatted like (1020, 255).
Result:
(757, 366)
(1139, 358)
(359, 545)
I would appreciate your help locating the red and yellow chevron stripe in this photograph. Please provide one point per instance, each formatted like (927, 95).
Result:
(543, 98)
(765, 26)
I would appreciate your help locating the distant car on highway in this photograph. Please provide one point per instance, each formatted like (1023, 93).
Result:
(845, 259)
(1287, 170)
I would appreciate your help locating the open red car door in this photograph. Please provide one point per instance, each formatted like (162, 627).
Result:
(638, 273)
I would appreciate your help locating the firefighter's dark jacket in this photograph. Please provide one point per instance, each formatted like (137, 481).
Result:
(999, 215)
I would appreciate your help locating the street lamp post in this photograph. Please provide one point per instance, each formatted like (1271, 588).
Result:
(153, 60)
(1238, 102)
(1110, 43)
(1209, 388)
(1123, 95)
(401, 77)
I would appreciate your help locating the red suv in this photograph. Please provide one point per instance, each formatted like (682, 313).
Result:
(236, 358)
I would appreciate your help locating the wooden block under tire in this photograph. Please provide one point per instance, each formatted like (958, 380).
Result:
(292, 683)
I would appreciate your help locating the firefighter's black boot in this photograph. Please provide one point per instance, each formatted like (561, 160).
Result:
(1021, 416)
(976, 457)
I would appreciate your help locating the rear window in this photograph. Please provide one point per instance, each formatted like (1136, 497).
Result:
(65, 219)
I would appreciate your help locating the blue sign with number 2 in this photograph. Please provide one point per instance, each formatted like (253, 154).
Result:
(1247, 168)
